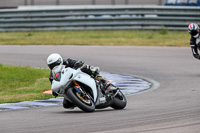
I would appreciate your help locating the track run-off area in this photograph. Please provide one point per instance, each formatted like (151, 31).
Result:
(127, 84)
(173, 106)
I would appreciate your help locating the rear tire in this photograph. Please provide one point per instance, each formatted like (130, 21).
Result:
(119, 101)
(79, 101)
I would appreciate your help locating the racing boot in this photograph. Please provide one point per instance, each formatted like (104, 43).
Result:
(108, 88)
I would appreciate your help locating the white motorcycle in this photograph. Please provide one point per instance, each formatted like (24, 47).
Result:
(83, 91)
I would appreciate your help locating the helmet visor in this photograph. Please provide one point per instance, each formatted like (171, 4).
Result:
(52, 65)
(194, 32)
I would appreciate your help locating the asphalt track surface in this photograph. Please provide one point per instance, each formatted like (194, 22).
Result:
(172, 106)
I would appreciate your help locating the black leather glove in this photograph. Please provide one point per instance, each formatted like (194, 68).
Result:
(54, 94)
(78, 64)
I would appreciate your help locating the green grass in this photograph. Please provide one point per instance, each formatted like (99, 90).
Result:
(23, 83)
(161, 37)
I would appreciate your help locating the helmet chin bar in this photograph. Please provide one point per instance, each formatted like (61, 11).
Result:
(57, 63)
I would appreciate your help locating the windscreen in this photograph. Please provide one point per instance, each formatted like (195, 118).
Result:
(57, 76)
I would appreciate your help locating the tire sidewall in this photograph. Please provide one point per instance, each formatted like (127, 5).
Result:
(119, 104)
(72, 96)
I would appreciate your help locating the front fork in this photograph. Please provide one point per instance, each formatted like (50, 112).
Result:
(82, 93)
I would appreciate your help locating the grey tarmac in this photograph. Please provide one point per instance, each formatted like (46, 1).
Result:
(173, 107)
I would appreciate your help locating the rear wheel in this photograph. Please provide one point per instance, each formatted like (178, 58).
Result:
(119, 101)
(81, 101)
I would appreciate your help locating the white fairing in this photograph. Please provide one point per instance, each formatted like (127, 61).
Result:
(87, 80)
(68, 75)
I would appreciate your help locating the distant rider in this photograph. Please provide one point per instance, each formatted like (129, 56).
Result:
(194, 31)
(56, 60)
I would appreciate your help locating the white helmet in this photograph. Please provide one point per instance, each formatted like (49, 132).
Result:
(54, 60)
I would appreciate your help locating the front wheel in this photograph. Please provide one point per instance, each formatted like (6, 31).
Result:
(119, 101)
(86, 105)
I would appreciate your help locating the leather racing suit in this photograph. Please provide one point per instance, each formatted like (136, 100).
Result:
(195, 46)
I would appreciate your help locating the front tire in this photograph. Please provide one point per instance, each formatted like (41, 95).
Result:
(119, 101)
(85, 105)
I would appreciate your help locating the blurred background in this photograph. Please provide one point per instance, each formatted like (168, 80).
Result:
(37, 15)
(16, 3)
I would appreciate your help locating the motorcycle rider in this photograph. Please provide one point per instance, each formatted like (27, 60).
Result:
(194, 31)
(55, 59)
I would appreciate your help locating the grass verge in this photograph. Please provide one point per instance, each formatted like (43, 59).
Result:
(23, 83)
(161, 37)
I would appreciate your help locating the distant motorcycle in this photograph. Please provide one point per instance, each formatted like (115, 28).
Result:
(85, 92)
